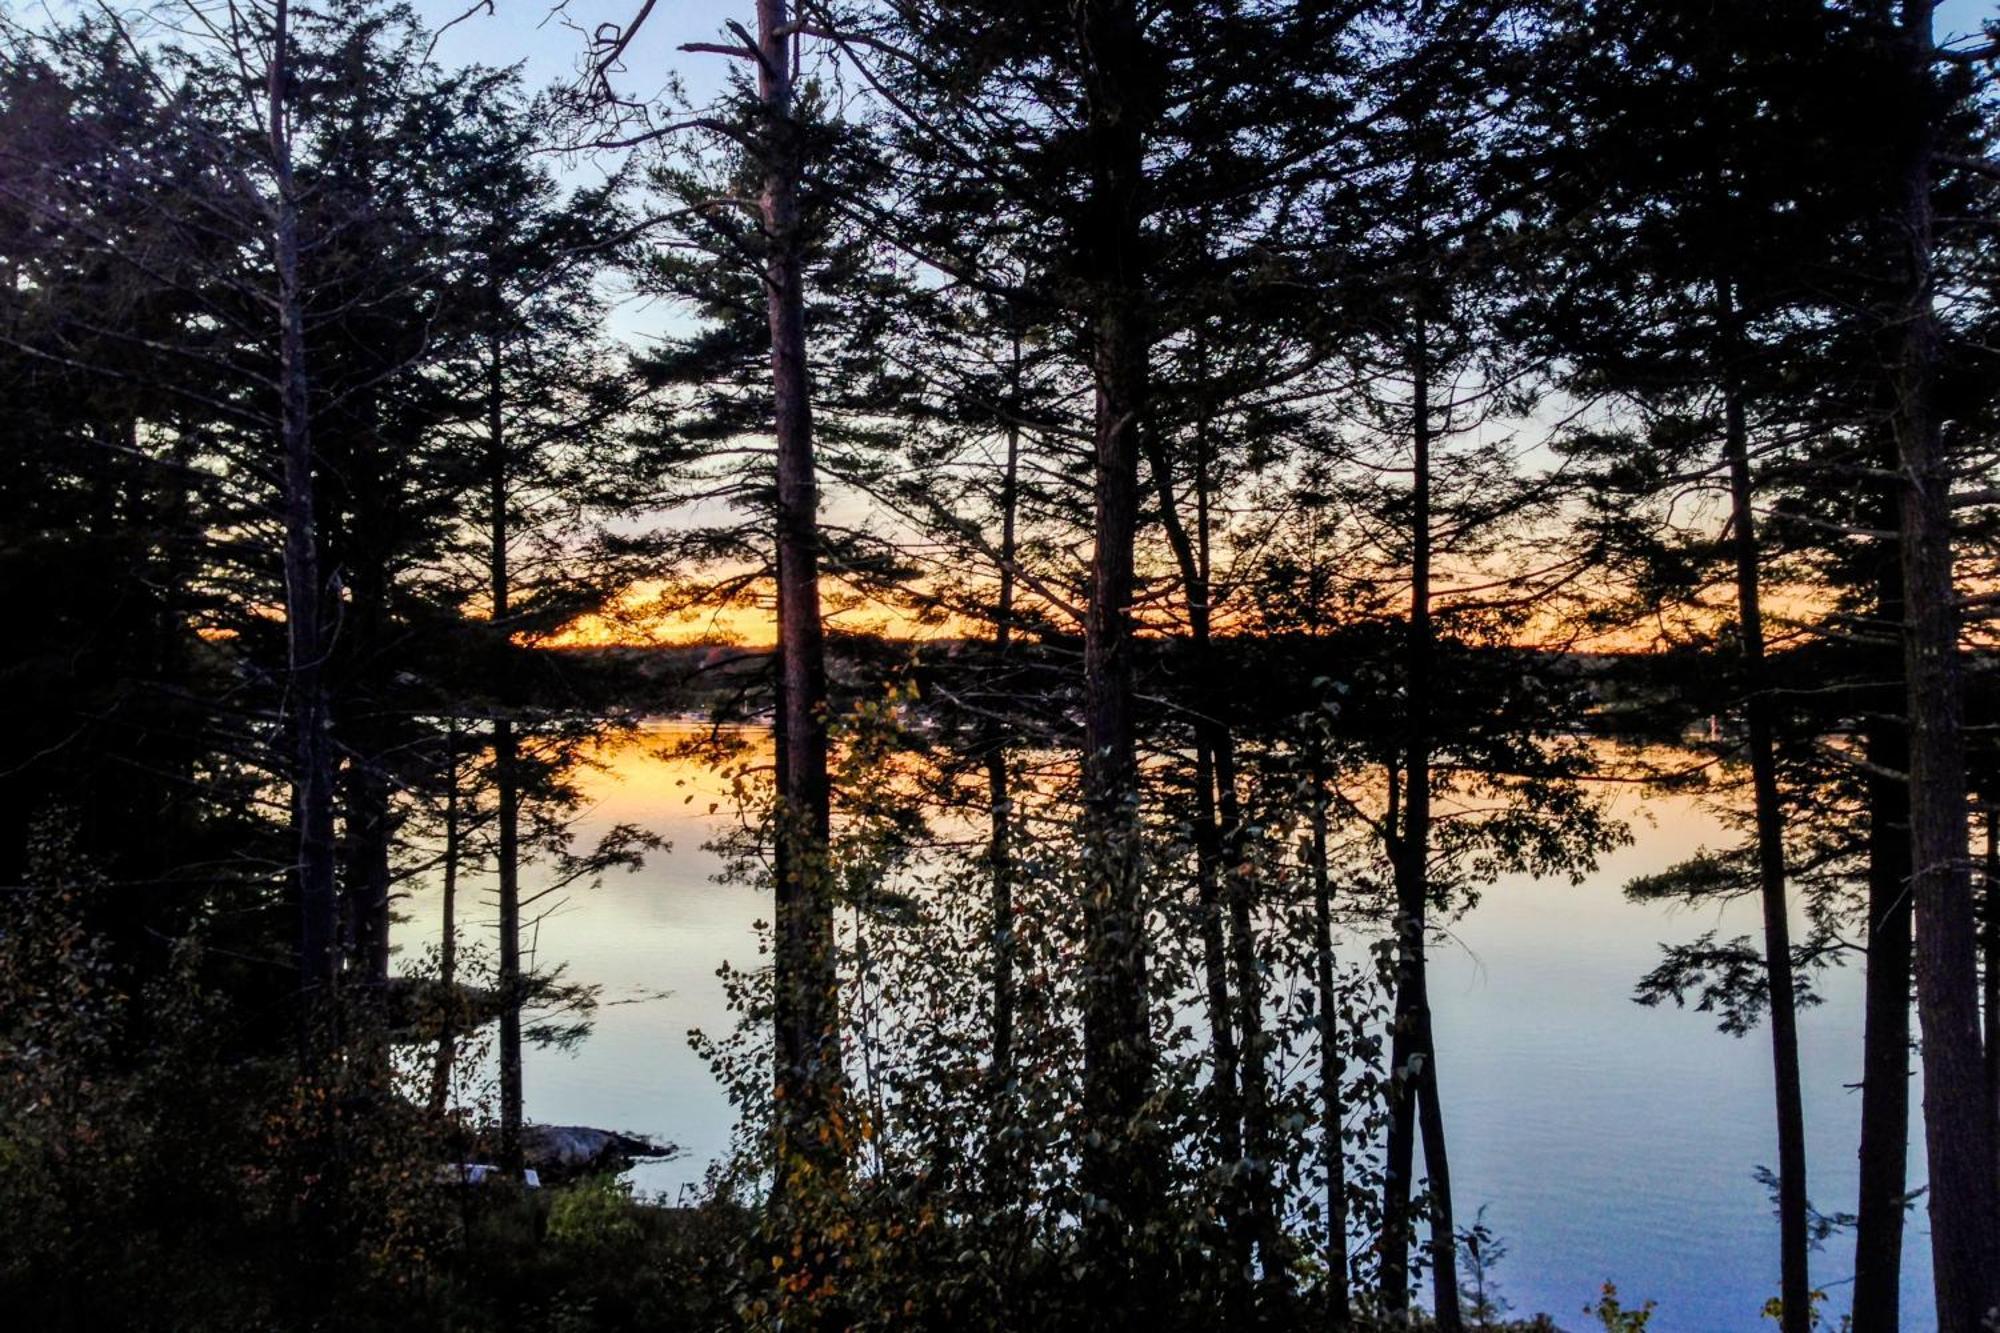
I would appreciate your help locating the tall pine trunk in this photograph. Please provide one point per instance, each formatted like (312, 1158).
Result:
(506, 758)
(1958, 1121)
(1240, 1087)
(1989, 935)
(357, 527)
(448, 1006)
(312, 772)
(1414, 1102)
(1885, 1058)
(1003, 1180)
(1224, 1112)
(1119, 1168)
(368, 850)
(812, 1142)
(1793, 1242)
(366, 787)
(1259, 1162)
(1332, 1067)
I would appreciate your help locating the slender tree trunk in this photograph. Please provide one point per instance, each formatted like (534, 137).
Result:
(1240, 882)
(1400, 1138)
(369, 828)
(167, 515)
(1958, 1120)
(448, 1006)
(507, 873)
(1990, 946)
(312, 776)
(506, 762)
(1417, 851)
(1254, 1100)
(1000, 865)
(1332, 1065)
(1238, 1078)
(813, 1138)
(358, 539)
(1260, 1153)
(1793, 1243)
(1118, 1169)
(1224, 1111)
(1224, 1105)
(1437, 1168)
(1885, 1059)
(1414, 1095)
(368, 839)
(1003, 1179)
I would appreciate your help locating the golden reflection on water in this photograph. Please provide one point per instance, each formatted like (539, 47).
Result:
(1609, 1140)
(657, 773)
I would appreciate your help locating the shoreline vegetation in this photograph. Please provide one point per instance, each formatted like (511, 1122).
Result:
(1246, 414)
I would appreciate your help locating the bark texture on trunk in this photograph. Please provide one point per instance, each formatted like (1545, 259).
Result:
(1958, 1121)
(813, 1138)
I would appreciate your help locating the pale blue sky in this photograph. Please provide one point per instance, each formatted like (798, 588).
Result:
(549, 44)
(1955, 17)
(522, 30)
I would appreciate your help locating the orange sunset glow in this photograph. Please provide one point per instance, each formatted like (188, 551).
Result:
(655, 614)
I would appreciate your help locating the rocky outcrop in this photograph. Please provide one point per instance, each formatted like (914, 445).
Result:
(562, 1152)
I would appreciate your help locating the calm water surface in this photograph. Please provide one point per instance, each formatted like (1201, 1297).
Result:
(1607, 1141)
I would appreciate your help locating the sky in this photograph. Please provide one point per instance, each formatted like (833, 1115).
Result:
(548, 38)
(1956, 17)
(549, 43)
(528, 31)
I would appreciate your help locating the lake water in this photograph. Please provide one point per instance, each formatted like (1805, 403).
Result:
(1606, 1140)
